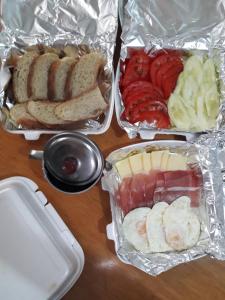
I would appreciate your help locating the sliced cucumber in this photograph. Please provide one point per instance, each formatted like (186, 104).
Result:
(209, 71)
(178, 112)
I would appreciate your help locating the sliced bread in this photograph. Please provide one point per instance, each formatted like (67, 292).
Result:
(84, 74)
(21, 74)
(86, 106)
(38, 76)
(57, 78)
(20, 116)
(71, 51)
(44, 112)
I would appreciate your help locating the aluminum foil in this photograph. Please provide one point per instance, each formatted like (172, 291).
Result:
(209, 154)
(195, 25)
(57, 23)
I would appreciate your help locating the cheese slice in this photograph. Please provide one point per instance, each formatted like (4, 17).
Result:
(176, 162)
(136, 163)
(164, 160)
(123, 168)
(156, 157)
(146, 160)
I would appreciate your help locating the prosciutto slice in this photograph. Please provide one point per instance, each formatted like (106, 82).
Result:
(144, 190)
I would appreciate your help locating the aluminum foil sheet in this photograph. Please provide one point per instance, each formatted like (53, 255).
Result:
(209, 154)
(57, 23)
(193, 25)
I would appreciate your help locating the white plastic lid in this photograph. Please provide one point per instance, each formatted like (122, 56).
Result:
(39, 257)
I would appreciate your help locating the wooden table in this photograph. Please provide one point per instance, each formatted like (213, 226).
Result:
(104, 277)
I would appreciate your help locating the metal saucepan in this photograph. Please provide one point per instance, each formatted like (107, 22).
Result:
(71, 162)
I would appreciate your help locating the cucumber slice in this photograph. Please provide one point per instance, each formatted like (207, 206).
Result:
(194, 66)
(211, 99)
(209, 71)
(179, 113)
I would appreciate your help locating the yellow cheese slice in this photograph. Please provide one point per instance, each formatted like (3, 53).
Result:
(146, 160)
(136, 163)
(176, 162)
(156, 157)
(164, 160)
(123, 168)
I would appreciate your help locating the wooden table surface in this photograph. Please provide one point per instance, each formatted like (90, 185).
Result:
(104, 276)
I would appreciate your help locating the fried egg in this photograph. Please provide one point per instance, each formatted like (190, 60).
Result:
(181, 225)
(155, 230)
(134, 228)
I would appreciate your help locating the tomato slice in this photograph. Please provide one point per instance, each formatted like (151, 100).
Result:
(158, 62)
(170, 80)
(134, 72)
(137, 85)
(147, 105)
(159, 118)
(165, 69)
(169, 85)
(140, 97)
(143, 93)
(140, 58)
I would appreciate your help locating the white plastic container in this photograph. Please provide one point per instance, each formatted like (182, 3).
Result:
(39, 257)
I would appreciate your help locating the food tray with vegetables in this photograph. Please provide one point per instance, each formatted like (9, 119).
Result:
(171, 80)
(56, 77)
(167, 202)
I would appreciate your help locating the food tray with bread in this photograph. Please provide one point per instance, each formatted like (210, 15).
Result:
(62, 80)
(170, 80)
(167, 202)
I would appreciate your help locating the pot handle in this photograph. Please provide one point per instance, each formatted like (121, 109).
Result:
(36, 154)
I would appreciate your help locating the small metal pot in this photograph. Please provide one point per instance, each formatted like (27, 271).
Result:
(71, 162)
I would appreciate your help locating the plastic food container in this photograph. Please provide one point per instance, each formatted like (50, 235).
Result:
(40, 258)
(204, 158)
(146, 26)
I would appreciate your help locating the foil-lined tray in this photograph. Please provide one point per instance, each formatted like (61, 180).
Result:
(187, 25)
(209, 154)
(57, 24)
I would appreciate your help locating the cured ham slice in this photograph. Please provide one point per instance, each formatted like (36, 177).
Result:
(144, 190)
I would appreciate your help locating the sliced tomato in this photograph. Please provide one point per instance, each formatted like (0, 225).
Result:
(140, 87)
(158, 62)
(173, 71)
(140, 58)
(169, 85)
(166, 68)
(170, 80)
(159, 118)
(140, 97)
(134, 72)
(137, 85)
(147, 105)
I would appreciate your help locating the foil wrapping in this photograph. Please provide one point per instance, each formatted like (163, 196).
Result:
(196, 26)
(57, 24)
(208, 152)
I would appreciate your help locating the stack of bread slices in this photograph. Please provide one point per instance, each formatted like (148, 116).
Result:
(50, 91)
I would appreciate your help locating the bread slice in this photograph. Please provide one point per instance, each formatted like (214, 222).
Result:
(20, 116)
(71, 51)
(38, 76)
(44, 112)
(57, 78)
(84, 74)
(21, 74)
(86, 106)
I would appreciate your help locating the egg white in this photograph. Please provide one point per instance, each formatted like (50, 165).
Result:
(155, 228)
(181, 225)
(134, 228)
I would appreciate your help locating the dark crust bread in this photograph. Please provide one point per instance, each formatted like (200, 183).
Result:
(51, 79)
(30, 77)
(68, 89)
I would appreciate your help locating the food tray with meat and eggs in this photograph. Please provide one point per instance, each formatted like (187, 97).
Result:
(167, 202)
(57, 75)
(170, 79)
